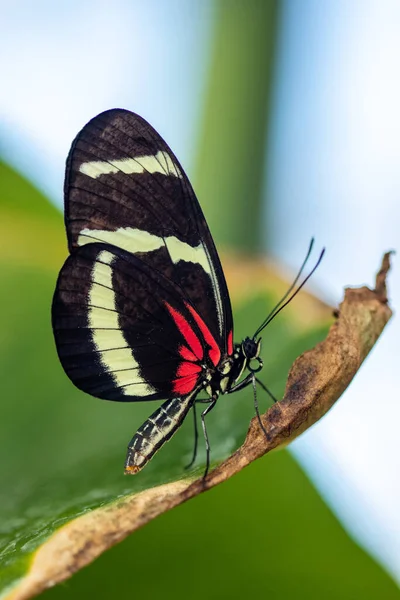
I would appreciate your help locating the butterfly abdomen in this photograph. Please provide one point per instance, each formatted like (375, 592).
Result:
(155, 431)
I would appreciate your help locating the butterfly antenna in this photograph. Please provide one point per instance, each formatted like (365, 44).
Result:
(310, 247)
(281, 304)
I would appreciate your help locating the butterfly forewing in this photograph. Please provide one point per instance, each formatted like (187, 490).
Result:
(125, 187)
(141, 304)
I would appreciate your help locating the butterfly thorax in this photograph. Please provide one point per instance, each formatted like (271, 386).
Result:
(221, 379)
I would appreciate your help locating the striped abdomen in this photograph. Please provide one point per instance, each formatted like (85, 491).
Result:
(157, 430)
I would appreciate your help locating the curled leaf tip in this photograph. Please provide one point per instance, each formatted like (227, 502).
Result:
(380, 281)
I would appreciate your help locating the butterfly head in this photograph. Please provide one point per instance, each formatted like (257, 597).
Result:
(251, 351)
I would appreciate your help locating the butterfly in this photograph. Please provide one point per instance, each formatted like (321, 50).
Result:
(141, 309)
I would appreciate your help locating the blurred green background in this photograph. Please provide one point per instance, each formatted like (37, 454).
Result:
(267, 531)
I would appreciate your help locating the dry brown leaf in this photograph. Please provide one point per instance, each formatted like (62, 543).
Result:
(315, 382)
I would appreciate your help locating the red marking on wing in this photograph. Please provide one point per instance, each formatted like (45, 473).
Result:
(187, 354)
(184, 385)
(230, 342)
(187, 332)
(214, 351)
(186, 369)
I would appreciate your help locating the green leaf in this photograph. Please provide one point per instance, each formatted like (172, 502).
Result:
(31, 227)
(63, 455)
(264, 534)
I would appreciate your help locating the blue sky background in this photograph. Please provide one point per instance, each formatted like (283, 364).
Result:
(332, 171)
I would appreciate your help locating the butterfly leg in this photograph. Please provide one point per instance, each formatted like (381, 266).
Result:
(212, 403)
(264, 387)
(251, 379)
(196, 438)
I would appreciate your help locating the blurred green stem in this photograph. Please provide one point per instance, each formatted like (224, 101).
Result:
(232, 150)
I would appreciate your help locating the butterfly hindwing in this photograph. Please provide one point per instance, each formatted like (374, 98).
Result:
(124, 331)
(125, 187)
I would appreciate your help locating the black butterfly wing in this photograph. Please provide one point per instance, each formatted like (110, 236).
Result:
(142, 300)
(126, 332)
(124, 186)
